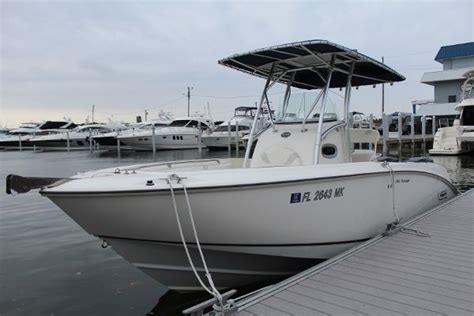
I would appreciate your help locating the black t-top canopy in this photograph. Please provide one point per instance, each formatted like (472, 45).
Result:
(309, 61)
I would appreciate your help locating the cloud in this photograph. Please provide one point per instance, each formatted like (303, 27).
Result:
(125, 56)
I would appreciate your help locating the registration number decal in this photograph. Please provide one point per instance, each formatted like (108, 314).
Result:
(318, 195)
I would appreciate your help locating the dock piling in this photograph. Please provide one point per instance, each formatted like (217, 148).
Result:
(68, 142)
(229, 136)
(384, 134)
(199, 139)
(118, 145)
(153, 145)
(90, 140)
(371, 126)
(237, 139)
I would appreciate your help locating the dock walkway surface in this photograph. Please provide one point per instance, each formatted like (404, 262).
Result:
(402, 273)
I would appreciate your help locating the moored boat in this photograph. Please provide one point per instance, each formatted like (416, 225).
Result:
(303, 196)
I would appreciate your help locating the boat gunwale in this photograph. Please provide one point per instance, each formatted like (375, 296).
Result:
(178, 190)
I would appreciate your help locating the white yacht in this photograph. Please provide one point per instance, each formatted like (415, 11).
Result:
(19, 138)
(78, 138)
(242, 119)
(109, 140)
(181, 133)
(304, 196)
(459, 138)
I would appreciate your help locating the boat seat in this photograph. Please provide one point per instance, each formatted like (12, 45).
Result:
(361, 155)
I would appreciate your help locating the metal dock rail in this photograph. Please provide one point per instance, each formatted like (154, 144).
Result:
(402, 273)
(425, 267)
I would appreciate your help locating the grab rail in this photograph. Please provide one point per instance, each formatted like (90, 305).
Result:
(169, 164)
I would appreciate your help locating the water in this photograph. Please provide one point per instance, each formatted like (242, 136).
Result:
(50, 266)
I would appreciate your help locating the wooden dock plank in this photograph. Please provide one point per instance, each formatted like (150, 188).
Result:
(399, 274)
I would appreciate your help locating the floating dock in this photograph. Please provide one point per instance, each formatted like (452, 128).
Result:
(425, 267)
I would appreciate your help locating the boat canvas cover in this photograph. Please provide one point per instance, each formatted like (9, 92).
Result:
(310, 61)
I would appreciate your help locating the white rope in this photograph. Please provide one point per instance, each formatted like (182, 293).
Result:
(212, 290)
(387, 166)
(208, 274)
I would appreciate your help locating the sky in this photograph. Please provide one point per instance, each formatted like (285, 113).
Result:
(60, 57)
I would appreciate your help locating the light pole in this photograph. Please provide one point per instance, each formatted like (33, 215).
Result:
(189, 100)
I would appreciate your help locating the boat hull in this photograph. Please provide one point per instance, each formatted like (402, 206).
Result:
(162, 142)
(303, 220)
(61, 144)
(221, 142)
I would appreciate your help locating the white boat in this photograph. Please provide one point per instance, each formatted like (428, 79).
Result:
(109, 140)
(78, 138)
(459, 138)
(304, 196)
(181, 133)
(19, 138)
(227, 132)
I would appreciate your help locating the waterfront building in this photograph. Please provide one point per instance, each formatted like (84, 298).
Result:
(456, 60)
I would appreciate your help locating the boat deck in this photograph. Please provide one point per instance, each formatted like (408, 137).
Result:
(406, 272)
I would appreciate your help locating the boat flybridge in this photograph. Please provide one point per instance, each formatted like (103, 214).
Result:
(233, 130)
(303, 196)
(181, 133)
(459, 138)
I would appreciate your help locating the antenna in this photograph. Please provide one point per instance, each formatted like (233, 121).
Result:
(146, 115)
(93, 109)
(209, 110)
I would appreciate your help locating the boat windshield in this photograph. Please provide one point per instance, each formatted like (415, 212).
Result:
(300, 104)
(245, 111)
(225, 128)
(188, 123)
(53, 124)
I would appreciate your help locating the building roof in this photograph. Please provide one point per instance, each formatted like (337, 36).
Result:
(445, 75)
(455, 51)
(437, 109)
(306, 65)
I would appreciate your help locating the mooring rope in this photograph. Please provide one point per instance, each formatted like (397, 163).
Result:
(386, 165)
(212, 290)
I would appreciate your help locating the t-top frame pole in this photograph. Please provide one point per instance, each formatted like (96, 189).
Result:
(347, 119)
(254, 124)
(317, 145)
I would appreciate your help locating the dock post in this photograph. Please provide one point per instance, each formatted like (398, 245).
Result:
(19, 143)
(371, 126)
(68, 144)
(90, 140)
(229, 136)
(412, 134)
(384, 134)
(423, 132)
(237, 139)
(153, 145)
(433, 126)
(400, 133)
(199, 139)
(118, 144)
